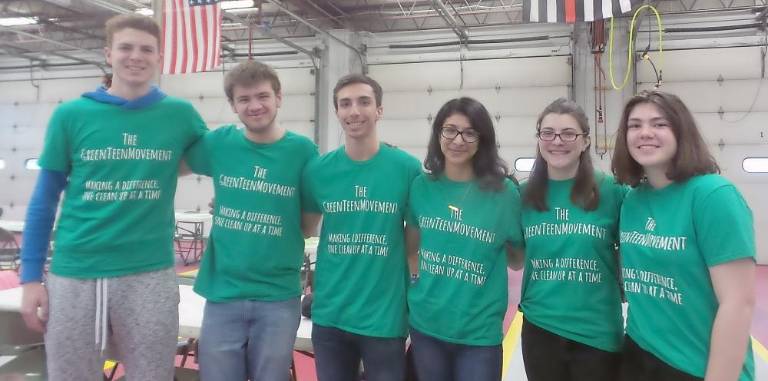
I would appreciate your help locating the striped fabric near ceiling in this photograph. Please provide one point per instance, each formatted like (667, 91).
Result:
(191, 36)
(571, 11)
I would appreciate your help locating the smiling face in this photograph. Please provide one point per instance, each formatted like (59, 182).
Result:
(256, 105)
(134, 57)
(650, 139)
(457, 151)
(357, 110)
(562, 154)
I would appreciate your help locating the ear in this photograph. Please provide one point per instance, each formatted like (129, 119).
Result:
(587, 143)
(232, 105)
(108, 55)
(379, 112)
(279, 97)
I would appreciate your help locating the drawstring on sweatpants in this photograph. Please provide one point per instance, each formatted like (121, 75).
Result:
(102, 307)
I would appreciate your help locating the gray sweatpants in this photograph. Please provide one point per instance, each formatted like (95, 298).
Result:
(139, 313)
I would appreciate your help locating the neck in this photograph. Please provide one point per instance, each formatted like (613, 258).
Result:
(562, 173)
(129, 92)
(657, 177)
(459, 172)
(361, 149)
(270, 135)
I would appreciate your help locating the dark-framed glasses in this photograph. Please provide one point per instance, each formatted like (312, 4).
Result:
(469, 135)
(565, 136)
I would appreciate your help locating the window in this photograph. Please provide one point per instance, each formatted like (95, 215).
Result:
(2, 164)
(524, 164)
(755, 164)
(31, 164)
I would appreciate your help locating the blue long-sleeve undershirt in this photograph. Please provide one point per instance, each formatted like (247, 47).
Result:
(41, 214)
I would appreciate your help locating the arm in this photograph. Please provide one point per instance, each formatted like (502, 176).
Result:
(515, 257)
(734, 284)
(412, 241)
(41, 215)
(184, 168)
(309, 223)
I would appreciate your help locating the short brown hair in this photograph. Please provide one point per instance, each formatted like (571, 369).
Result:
(692, 156)
(249, 73)
(132, 21)
(351, 79)
(585, 192)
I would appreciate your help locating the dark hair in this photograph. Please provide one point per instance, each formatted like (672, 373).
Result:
(249, 73)
(585, 192)
(489, 168)
(351, 79)
(132, 21)
(692, 156)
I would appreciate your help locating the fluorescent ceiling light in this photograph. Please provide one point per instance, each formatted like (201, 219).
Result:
(236, 4)
(145, 11)
(14, 21)
(243, 10)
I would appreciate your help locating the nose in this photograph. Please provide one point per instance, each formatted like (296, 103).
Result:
(254, 105)
(645, 131)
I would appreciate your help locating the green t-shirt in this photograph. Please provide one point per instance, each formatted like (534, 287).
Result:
(461, 294)
(670, 237)
(361, 274)
(256, 246)
(117, 213)
(570, 285)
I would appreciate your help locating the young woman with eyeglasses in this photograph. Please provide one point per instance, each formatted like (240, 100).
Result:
(687, 247)
(572, 327)
(465, 211)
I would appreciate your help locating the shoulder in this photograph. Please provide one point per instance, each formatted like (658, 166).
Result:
(607, 184)
(712, 187)
(322, 161)
(75, 106)
(392, 152)
(300, 140)
(221, 132)
(178, 105)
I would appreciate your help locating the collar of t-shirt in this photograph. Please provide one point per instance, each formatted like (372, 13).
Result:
(101, 95)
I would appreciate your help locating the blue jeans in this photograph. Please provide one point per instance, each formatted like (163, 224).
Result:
(338, 354)
(248, 339)
(436, 359)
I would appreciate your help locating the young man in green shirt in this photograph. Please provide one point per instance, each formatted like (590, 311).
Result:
(361, 189)
(115, 153)
(250, 270)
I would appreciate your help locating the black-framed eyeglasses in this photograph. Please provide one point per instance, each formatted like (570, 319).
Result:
(469, 135)
(565, 136)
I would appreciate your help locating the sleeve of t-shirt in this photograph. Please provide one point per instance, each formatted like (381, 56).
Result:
(308, 201)
(724, 227)
(198, 155)
(196, 124)
(410, 213)
(515, 232)
(57, 146)
(414, 170)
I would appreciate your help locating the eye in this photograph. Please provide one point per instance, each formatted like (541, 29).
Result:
(568, 135)
(633, 125)
(471, 134)
(547, 134)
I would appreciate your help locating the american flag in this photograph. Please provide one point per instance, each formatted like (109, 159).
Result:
(191, 36)
(571, 11)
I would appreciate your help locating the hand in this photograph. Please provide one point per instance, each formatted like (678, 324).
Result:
(34, 295)
(212, 205)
